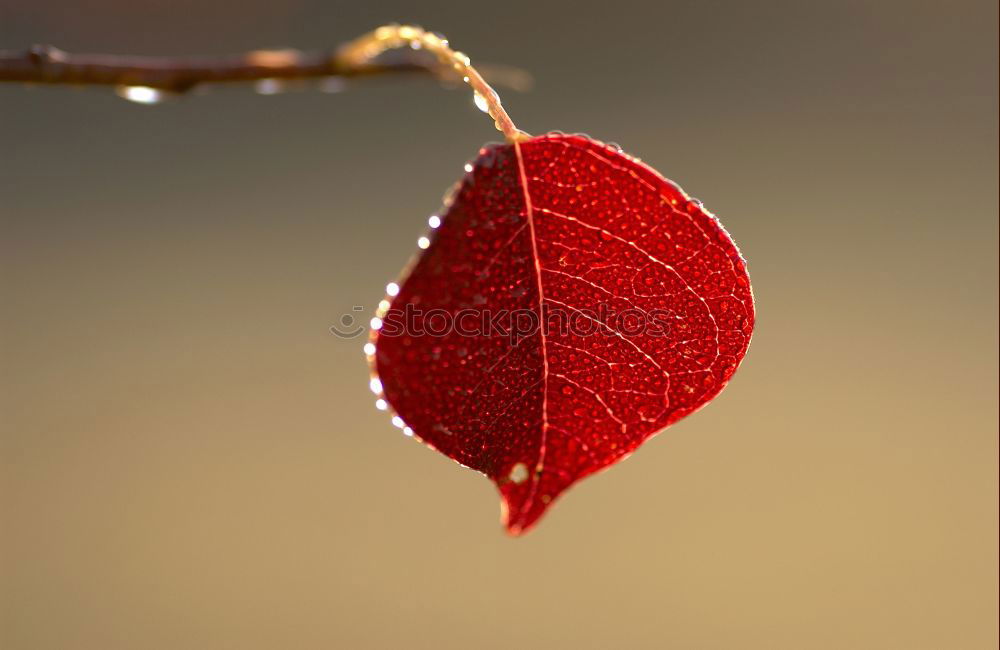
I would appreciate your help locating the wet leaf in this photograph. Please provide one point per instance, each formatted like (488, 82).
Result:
(570, 303)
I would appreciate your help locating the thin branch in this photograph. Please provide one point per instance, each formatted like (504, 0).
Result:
(44, 64)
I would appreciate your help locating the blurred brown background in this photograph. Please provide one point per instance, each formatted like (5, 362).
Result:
(191, 460)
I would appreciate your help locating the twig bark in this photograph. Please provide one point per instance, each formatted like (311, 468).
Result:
(44, 64)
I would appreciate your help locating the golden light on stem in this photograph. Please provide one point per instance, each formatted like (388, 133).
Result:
(389, 37)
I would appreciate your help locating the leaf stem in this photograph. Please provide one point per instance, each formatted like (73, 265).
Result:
(363, 50)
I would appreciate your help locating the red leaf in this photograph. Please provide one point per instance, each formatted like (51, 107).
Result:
(643, 300)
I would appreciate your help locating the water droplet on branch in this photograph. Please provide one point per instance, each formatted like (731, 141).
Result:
(269, 87)
(332, 85)
(141, 94)
(480, 102)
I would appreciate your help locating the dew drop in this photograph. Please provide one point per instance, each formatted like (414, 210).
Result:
(423, 242)
(468, 168)
(480, 102)
(369, 349)
(407, 431)
(376, 323)
(434, 221)
(381, 404)
(398, 422)
(392, 289)
(519, 473)
(141, 94)
(332, 85)
(376, 385)
(268, 87)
